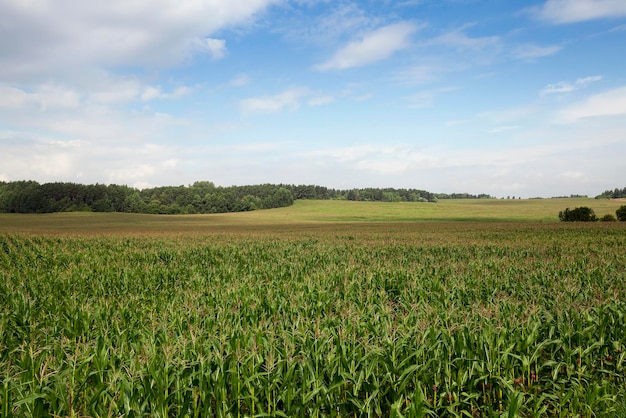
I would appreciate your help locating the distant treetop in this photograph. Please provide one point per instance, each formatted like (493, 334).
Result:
(613, 194)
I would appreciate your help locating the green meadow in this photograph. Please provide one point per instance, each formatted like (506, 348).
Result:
(306, 212)
(478, 308)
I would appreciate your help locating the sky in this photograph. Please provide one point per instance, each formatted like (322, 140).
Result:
(501, 97)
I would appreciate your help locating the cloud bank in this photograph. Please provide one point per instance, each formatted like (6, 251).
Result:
(59, 35)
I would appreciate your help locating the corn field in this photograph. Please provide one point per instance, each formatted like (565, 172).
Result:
(415, 320)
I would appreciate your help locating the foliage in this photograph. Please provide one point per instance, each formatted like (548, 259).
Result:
(313, 192)
(389, 195)
(608, 218)
(365, 194)
(571, 196)
(201, 197)
(362, 320)
(463, 196)
(613, 194)
(580, 214)
(620, 213)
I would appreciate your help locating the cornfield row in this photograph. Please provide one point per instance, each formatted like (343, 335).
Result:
(479, 323)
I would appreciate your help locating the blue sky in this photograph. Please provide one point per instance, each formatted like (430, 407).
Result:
(501, 97)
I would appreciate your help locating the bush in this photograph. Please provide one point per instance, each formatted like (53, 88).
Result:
(581, 214)
(621, 213)
(608, 218)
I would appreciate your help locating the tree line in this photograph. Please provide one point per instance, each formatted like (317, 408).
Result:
(372, 194)
(616, 193)
(199, 197)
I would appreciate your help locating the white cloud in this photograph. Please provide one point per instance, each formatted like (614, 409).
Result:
(610, 103)
(27, 157)
(109, 89)
(131, 174)
(216, 47)
(586, 80)
(532, 51)
(44, 97)
(375, 157)
(288, 99)
(65, 35)
(570, 11)
(12, 97)
(88, 120)
(567, 87)
(55, 96)
(572, 175)
(558, 88)
(152, 93)
(171, 163)
(374, 46)
(383, 166)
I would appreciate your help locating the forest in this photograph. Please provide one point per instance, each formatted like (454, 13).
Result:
(199, 197)
(616, 193)
(28, 196)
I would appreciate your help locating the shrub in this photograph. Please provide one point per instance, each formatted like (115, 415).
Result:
(608, 218)
(581, 214)
(621, 213)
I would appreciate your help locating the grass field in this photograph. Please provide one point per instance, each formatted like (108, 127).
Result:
(460, 309)
(305, 212)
